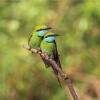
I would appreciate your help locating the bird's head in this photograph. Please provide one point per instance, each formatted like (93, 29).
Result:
(50, 37)
(41, 30)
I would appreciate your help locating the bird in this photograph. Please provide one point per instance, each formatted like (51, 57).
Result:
(37, 35)
(49, 46)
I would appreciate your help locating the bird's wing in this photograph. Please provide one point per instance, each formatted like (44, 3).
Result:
(56, 56)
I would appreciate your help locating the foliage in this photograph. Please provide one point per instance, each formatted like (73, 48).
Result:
(23, 75)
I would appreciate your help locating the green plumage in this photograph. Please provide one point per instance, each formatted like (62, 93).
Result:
(34, 41)
(37, 36)
(48, 48)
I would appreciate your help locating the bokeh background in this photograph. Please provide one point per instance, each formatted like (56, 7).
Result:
(23, 76)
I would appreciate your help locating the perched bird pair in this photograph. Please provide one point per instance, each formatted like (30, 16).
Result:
(44, 40)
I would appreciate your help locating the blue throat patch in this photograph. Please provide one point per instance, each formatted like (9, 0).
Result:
(41, 33)
(50, 39)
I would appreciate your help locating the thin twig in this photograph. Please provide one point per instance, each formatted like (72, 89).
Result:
(55, 66)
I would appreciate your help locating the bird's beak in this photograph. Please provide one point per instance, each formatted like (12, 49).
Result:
(56, 35)
(49, 28)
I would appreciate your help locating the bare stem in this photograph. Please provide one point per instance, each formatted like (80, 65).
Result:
(55, 66)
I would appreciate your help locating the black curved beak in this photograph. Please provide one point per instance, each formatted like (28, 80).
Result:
(48, 28)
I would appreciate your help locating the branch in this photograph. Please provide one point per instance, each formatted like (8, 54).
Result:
(55, 66)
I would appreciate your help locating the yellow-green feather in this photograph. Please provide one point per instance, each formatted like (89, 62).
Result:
(48, 48)
(34, 41)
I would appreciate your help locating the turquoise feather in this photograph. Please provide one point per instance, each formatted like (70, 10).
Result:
(41, 33)
(49, 39)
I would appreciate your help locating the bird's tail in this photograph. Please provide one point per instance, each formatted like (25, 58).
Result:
(56, 73)
(59, 81)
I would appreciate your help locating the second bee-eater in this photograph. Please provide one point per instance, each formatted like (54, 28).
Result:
(48, 46)
(37, 36)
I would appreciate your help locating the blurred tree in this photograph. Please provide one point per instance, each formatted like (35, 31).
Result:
(78, 22)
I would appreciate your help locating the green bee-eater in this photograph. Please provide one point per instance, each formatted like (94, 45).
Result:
(37, 36)
(48, 46)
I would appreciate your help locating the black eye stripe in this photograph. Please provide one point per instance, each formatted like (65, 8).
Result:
(44, 29)
(48, 36)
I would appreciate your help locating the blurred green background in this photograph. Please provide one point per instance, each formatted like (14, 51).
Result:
(23, 76)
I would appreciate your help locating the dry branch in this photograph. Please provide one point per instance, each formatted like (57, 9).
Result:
(55, 66)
